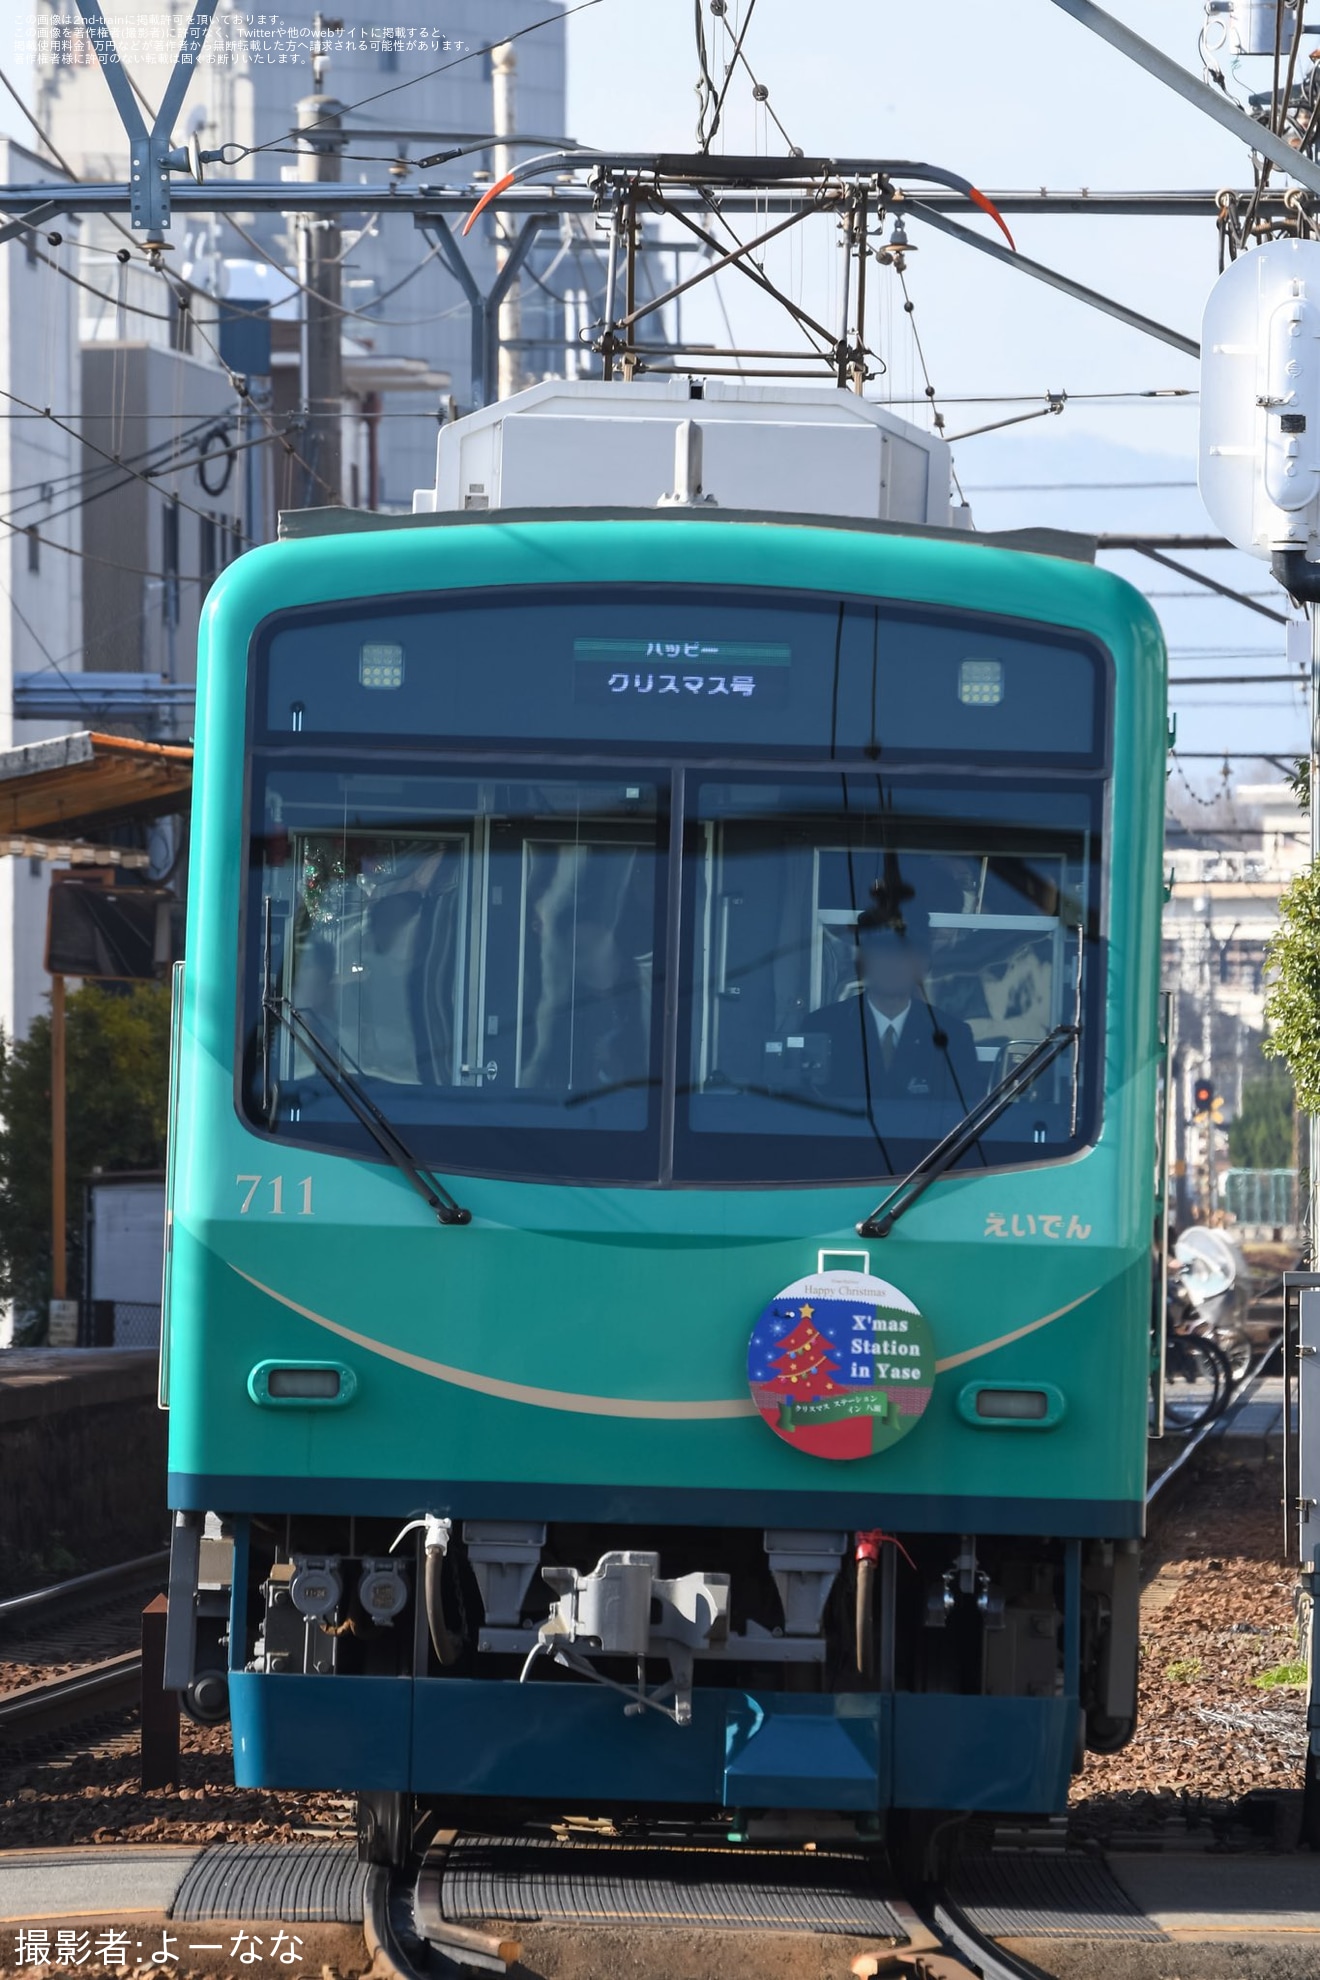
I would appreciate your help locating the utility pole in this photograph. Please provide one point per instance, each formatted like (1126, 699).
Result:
(1180, 1107)
(255, 466)
(1208, 1058)
(320, 123)
(59, 1232)
(1313, 807)
(504, 76)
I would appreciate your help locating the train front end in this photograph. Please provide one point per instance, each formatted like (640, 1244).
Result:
(593, 923)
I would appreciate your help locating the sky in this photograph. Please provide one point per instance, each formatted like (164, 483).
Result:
(1019, 96)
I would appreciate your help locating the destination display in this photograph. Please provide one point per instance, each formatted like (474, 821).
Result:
(736, 669)
(621, 668)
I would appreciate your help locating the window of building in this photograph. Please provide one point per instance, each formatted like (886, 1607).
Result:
(206, 552)
(170, 562)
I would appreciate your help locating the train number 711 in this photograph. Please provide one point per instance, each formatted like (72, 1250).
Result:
(275, 1184)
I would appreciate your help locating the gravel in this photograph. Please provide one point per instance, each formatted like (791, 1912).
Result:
(91, 1795)
(1217, 1616)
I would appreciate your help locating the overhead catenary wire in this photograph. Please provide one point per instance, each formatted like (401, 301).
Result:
(193, 289)
(196, 289)
(704, 144)
(240, 387)
(469, 55)
(346, 309)
(182, 300)
(114, 460)
(937, 416)
(1034, 398)
(760, 90)
(1278, 103)
(50, 660)
(201, 426)
(705, 85)
(1063, 487)
(111, 488)
(88, 557)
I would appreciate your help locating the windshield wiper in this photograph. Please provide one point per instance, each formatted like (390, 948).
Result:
(354, 1096)
(359, 1102)
(969, 1130)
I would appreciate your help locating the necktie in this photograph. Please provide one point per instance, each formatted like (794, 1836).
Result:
(888, 1046)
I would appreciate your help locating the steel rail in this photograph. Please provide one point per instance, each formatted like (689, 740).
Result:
(122, 1578)
(967, 1942)
(1246, 1390)
(58, 1703)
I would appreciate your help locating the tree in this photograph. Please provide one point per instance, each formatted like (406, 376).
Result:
(1292, 1005)
(117, 1083)
(1261, 1134)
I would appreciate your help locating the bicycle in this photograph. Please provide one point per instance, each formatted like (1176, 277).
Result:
(1198, 1380)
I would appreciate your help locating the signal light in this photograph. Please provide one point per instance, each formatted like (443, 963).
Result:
(1207, 1105)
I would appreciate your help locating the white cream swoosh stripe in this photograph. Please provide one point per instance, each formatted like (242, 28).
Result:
(1018, 1333)
(565, 1399)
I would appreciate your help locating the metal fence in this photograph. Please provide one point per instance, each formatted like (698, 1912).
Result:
(1262, 1199)
(121, 1323)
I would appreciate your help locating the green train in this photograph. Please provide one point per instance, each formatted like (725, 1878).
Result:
(663, 1167)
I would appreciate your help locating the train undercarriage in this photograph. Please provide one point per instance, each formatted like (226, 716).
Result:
(746, 1674)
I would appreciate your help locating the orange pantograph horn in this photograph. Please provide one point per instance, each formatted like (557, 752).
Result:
(493, 192)
(986, 206)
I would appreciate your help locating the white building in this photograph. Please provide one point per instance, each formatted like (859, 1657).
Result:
(41, 568)
(1222, 911)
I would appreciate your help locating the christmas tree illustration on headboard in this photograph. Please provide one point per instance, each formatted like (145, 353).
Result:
(804, 1365)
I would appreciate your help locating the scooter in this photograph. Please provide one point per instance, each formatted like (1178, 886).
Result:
(1216, 1280)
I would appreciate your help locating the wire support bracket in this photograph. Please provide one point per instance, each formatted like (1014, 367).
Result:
(152, 158)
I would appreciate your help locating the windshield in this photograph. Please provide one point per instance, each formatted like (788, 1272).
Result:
(479, 950)
(865, 959)
(859, 958)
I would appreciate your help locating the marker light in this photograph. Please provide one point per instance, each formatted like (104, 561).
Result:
(380, 666)
(308, 1384)
(981, 683)
(1013, 1405)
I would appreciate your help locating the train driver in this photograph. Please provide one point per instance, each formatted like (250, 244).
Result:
(890, 1042)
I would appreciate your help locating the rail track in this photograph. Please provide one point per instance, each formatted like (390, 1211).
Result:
(20, 1613)
(56, 1704)
(34, 1628)
(1241, 1394)
(925, 1934)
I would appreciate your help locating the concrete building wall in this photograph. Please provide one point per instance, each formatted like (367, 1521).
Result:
(153, 550)
(41, 571)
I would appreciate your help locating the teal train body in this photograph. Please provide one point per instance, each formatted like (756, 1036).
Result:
(596, 949)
